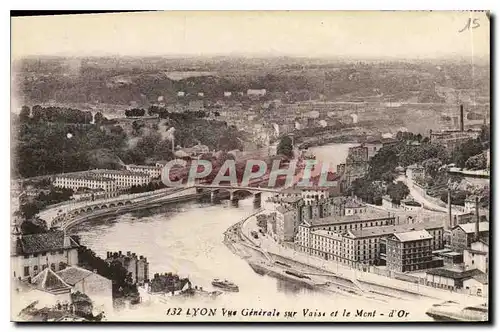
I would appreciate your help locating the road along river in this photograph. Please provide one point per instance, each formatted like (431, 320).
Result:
(188, 238)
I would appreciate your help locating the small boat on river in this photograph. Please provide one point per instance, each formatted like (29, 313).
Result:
(225, 285)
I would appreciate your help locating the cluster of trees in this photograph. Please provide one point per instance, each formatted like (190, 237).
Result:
(42, 148)
(55, 114)
(135, 112)
(397, 191)
(476, 162)
(466, 150)
(151, 186)
(149, 147)
(285, 147)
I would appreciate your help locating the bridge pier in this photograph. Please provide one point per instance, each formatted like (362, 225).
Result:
(257, 200)
(233, 200)
(214, 199)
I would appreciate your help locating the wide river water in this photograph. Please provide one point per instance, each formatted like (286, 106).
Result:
(187, 239)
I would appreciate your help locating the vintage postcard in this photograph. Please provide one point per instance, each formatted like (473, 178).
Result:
(251, 166)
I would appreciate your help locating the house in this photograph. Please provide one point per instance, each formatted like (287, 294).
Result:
(409, 251)
(95, 286)
(477, 256)
(33, 253)
(287, 219)
(415, 171)
(463, 235)
(449, 279)
(256, 92)
(411, 205)
(181, 94)
(168, 284)
(52, 284)
(137, 266)
(477, 285)
(387, 203)
(470, 203)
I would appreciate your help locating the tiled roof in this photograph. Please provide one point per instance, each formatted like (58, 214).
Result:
(49, 281)
(370, 214)
(43, 242)
(73, 274)
(482, 278)
(392, 229)
(413, 236)
(471, 227)
(454, 274)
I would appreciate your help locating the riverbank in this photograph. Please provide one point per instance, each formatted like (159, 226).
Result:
(115, 211)
(331, 276)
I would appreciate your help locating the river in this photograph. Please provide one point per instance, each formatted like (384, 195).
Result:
(187, 239)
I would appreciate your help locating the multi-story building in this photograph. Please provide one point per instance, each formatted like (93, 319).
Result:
(106, 179)
(137, 266)
(124, 179)
(363, 242)
(409, 251)
(31, 254)
(152, 171)
(477, 256)
(286, 221)
(463, 235)
(97, 287)
(82, 180)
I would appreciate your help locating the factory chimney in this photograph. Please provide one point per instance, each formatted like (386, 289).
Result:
(461, 118)
(449, 208)
(477, 219)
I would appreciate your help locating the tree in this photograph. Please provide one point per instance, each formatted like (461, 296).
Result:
(466, 150)
(476, 162)
(397, 191)
(285, 147)
(99, 118)
(24, 115)
(432, 166)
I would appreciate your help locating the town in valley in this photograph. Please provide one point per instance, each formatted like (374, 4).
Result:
(170, 188)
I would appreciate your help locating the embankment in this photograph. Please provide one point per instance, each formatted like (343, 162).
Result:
(130, 208)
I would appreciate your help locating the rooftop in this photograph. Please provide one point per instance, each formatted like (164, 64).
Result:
(328, 234)
(413, 236)
(44, 242)
(470, 228)
(49, 281)
(73, 274)
(442, 272)
(370, 214)
(392, 229)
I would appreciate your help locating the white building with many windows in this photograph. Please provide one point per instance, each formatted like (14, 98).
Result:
(80, 181)
(33, 253)
(152, 171)
(106, 179)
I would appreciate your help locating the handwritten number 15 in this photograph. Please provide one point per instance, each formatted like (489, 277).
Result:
(471, 24)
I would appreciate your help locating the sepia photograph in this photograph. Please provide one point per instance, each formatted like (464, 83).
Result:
(250, 166)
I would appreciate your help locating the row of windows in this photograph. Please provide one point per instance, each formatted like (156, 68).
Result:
(45, 254)
(62, 265)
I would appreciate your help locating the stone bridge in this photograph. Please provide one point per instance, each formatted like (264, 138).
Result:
(233, 190)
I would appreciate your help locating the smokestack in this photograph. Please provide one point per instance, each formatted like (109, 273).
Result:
(449, 208)
(477, 218)
(461, 118)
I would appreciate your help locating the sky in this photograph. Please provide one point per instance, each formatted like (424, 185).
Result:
(311, 34)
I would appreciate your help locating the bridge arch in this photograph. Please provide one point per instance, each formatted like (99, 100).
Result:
(120, 204)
